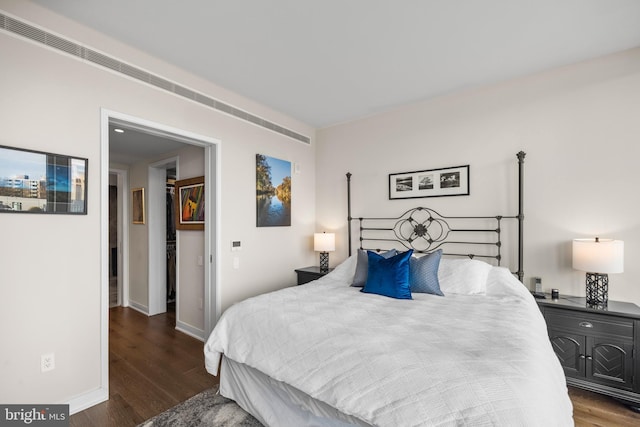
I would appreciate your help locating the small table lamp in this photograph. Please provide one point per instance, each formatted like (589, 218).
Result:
(598, 257)
(324, 243)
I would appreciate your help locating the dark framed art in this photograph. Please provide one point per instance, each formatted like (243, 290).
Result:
(137, 205)
(190, 204)
(452, 181)
(273, 192)
(40, 182)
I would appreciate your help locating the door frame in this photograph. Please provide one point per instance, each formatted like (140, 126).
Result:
(212, 167)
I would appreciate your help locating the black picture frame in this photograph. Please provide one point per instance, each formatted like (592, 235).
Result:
(441, 182)
(39, 182)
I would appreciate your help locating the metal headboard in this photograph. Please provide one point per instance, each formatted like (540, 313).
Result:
(424, 230)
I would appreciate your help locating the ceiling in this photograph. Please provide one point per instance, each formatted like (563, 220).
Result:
(329, 61)
(133, 145)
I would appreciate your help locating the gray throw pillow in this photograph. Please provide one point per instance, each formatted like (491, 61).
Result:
(423, 273)
(362, 266)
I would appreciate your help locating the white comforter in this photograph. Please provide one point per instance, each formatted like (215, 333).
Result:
(434, 361)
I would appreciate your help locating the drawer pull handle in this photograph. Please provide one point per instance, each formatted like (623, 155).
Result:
(586, 325)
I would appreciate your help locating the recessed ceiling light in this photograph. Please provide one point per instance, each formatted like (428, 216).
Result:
(118, 130)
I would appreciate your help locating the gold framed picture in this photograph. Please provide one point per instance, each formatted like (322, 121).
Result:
(137, 205)
(189, 204)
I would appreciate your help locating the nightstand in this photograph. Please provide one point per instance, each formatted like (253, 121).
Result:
(307, 274)
(597, 348)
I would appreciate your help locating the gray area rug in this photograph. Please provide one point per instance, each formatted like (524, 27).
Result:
(204, 409)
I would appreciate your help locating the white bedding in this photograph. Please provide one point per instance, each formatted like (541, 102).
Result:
(452, 360)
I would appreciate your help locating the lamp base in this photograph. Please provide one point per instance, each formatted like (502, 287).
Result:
(324, 262)
(597, 289)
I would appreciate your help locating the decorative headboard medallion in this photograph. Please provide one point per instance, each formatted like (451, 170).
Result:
(421, 229)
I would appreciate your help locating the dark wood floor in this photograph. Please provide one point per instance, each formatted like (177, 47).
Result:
(154, 367)
(592, 409)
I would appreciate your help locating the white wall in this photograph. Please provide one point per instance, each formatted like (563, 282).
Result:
(191, 275)
(50, 264)
(580, 128)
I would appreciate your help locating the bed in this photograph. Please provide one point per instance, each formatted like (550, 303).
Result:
(466, 346)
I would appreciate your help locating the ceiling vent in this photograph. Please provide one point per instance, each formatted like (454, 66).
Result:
(36, 34)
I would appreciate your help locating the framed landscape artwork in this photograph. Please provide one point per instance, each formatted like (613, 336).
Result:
(42, 183)
(453, 181)
(273, 192)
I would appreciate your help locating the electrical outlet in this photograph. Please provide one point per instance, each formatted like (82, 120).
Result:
(47, 362)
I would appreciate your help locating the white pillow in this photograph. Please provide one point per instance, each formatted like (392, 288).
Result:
(345, 271)
(502, 282)
(463, 276)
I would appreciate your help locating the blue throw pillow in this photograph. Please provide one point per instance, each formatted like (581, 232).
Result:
(423, 273)
(360, 277)
(388, 276)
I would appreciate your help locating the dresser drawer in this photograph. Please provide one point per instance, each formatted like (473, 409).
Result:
(588, 323)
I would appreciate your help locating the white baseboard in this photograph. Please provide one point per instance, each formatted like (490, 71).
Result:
(190, 330)
(88, 400)
(139, 307)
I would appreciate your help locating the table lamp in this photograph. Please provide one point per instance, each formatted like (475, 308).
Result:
(598, 257)
(324, 243)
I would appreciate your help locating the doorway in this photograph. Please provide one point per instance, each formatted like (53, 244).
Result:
(162, 238)
(170, 194)
(212, 172)
(114, 294)
(118, 227)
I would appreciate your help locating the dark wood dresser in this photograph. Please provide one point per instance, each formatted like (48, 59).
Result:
(307, 274)
(597, 347)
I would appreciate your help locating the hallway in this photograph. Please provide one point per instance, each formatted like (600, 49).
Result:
(152, 367)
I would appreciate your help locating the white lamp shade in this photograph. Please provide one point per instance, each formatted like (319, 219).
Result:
(324, 242)
(598, 255)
